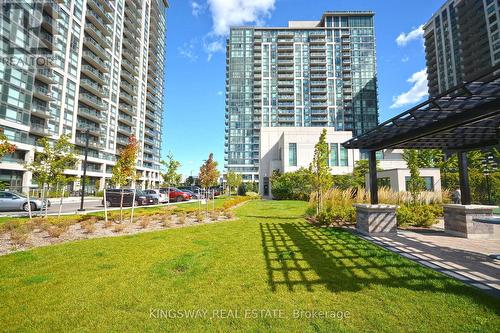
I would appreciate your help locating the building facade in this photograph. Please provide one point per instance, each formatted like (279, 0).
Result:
(310, 74)
(461, 41)
(83, 68)
(287, 149)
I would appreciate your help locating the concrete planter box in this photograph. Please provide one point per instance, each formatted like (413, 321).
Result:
(376, 220)
(459, 221)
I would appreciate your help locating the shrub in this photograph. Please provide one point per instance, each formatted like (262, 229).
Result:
(56, 231)
(234, 201)
(291, 185)
(166, 220)
(19, 236)
(415, 215)
(228, 213)
(118, 228)
(337, 215)
(200, 216)
(242, 189)
(181, 218)
(144, 222)
(88, 226)
(214, 215)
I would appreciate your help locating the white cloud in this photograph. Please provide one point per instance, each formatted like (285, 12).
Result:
(219, 93)
(415, 34)
(187, 50)
(405, 59)
(228, 13)
(197, 8)
(416, 93)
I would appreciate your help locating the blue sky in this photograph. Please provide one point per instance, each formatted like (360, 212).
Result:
(195, 70)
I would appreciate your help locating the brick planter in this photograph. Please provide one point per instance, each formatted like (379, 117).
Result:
(376, 220)
(459, 221)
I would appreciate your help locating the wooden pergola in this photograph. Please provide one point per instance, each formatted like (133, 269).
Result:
(464, 118)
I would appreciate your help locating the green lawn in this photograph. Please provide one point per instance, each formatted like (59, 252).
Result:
(269, 259)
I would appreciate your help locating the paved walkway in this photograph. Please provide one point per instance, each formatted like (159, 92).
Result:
(464, 259)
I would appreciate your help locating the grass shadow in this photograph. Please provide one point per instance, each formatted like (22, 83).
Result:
(301, 256)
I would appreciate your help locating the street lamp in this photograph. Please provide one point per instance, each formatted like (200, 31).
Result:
(84, 177)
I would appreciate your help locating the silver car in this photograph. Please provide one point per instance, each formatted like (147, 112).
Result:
(17, 201)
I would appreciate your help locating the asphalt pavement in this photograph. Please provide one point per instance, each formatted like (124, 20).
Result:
(90, 206)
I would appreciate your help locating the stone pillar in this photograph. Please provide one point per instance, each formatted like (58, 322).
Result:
(374, 220)
(459, 221)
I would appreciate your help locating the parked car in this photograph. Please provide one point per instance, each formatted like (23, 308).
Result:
(193, 194)
(113, 198)
(12, 201)
(175, 194)
(192, 188)
(162, 197)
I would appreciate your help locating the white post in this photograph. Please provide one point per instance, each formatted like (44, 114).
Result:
(29, 203)
(133, 206)
(60, 202)
(105, 206)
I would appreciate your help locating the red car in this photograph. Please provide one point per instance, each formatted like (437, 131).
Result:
(176, 194)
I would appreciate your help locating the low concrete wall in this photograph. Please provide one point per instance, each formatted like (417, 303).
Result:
(459, 221)
(376, 220)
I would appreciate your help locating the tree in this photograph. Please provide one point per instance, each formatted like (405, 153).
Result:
(171, 177)
(233, 180)
(416, 184)
(321, 177)
(49, 165)
(5, 146)
(125, 171)
(209, 174)
(291, 185)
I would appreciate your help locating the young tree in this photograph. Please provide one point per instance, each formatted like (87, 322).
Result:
(49, 165)
(209, 173)
(233, 180)
(125, 170)
(321, 177)
(5, 146)
(416, 184)
(171, 177)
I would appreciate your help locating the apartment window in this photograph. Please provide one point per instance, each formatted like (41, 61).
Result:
(292, 154)
(334, 154)
(343, 157)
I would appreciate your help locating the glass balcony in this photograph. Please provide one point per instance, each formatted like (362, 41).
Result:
(91, 114)
(95, 61)
(91, 100)
(39, 129)
(42, 92)
(40, 110)
(94, 73)
(125, 118)
(93, 45)
(98, 21)
(100, 10)
(44, 74)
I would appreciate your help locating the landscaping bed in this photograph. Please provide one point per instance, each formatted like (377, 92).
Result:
(23, 234)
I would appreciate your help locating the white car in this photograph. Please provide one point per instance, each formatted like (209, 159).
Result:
(14, 201)
(162, 197)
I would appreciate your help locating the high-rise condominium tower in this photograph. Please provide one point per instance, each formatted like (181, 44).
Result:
(461, 40)
(311, 73)
(82, 67)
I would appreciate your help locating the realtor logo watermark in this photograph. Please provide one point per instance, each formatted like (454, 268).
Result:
(31, 29)
(247, 314)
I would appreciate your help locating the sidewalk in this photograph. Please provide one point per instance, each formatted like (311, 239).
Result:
(464, 259)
